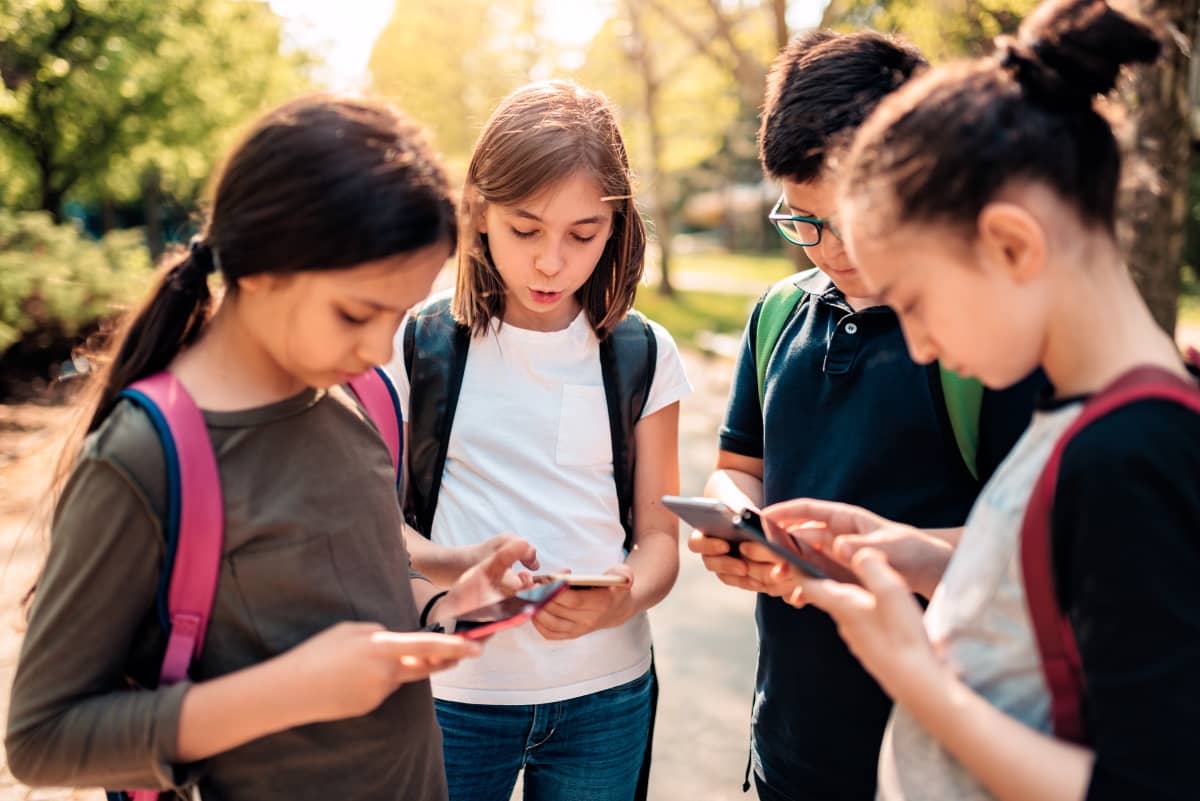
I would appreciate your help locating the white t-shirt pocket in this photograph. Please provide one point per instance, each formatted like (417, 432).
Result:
(583, 430)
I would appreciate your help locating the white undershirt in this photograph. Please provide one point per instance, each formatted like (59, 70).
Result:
(530, 452)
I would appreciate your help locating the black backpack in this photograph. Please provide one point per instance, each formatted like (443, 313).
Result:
(435, 357)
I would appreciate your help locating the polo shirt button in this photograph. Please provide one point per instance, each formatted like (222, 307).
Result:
(851, 328)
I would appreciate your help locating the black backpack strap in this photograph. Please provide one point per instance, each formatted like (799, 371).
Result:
(435, 357)
(627, 360)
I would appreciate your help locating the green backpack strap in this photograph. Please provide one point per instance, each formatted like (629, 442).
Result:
(963, 396)
(964, 400)
(776, 309)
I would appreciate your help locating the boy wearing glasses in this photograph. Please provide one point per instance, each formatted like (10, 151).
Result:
(835, 410)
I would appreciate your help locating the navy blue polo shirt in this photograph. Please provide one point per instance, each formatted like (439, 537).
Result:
(849, 417)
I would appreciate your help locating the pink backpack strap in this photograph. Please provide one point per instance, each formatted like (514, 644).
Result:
(195, 524)
(197, 558)
(377, 395)
(1061, 663)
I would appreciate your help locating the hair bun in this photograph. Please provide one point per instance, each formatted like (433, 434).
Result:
(1042, 85)
(1069, 51)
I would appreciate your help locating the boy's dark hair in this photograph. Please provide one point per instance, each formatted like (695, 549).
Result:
(944, 145)
(820, 89)
(320, 183)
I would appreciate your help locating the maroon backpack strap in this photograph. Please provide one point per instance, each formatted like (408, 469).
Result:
(1061, 664)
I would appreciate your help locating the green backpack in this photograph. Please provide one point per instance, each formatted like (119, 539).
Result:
(963, 396)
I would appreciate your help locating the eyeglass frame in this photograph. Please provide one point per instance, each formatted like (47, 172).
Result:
(776, 217)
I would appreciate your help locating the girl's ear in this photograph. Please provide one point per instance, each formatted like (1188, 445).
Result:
(1011, 240)
(258, 282)
(479, 213)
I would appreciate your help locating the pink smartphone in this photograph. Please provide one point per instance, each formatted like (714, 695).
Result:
(481, 623)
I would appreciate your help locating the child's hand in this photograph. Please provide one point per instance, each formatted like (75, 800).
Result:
(880, 622)
(350, 668)
(491, 579)
(472, 555)
(839, 531)
(750, 569)
(577, 612)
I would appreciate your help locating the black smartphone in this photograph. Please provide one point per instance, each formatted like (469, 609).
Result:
(485, 621)
(717, 520)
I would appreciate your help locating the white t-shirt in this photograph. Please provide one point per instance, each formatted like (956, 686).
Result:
(530, 452)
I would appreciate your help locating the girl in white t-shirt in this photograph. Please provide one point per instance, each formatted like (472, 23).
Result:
(551, 255)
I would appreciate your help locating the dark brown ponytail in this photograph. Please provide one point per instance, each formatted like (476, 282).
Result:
(320, 183)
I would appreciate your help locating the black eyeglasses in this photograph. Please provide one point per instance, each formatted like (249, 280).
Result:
(800, 229)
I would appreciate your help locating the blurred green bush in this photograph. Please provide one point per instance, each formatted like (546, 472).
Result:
(55, 281)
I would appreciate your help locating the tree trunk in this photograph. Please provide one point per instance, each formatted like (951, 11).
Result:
(1154, 206)
(152, 207)
(644, 61)
(779, 7)
(108, 215)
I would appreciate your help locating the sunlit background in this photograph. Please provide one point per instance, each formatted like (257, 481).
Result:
(113, 114)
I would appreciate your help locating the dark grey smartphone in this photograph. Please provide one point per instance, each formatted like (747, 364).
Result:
(717, 520)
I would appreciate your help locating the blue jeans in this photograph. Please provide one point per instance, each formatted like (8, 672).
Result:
(583, 749)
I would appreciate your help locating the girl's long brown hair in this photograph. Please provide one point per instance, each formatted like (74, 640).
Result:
(320, 183)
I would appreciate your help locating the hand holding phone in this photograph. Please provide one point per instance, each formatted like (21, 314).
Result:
(584, 609)
(485, 621)
(717, 520)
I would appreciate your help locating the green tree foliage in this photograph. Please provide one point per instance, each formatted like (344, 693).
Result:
(57, 282)
(449, 62)
(942, 29)
(99, 94)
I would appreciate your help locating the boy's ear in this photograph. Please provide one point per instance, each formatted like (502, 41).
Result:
(1012, 240)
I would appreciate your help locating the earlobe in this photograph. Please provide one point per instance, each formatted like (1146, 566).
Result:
(254, 283)
(1012, 240)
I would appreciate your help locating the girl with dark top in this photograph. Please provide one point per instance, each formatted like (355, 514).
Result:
(980, 202)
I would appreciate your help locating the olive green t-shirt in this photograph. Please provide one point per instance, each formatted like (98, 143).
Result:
(312, 538)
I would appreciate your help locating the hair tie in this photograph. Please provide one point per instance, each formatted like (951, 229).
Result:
(204, 256)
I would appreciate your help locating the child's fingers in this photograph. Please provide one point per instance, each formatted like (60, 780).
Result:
(422, 645)
(698, 542)
(582, 600)
(797, 598)
(725, 565)
(815, 535)
(554, 626)
(515, 550)
(880, 578)
(513, 581)
(837, 517)
(834, 597)
(757, 552)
